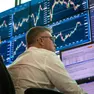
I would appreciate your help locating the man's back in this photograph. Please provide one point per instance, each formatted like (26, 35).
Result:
(28, 70)
(42, 69)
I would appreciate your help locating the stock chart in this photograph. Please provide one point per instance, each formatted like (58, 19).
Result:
(18, 46)
(5, 52)
(71, 21)
(39, 14)
(5, 27)
(72, 31)
(21, 20)
(60, 9)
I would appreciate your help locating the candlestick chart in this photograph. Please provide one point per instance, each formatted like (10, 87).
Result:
(70, 20)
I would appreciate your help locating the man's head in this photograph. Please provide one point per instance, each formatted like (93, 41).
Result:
(40, 37)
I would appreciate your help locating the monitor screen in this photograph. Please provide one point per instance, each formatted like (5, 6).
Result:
(18, 46)
(21, 19)
(72, 31)
(39, 14)
(79, 62)
(60, 9)
(5, 27)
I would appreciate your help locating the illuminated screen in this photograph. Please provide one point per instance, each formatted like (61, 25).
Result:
(60, 9)
(72, 31)
(39, 14)
(69, 20)
(79, 62)
(21, 20)
(18, 46)
(5, 52)
(92, 22)
(5, 25)
(13, 25)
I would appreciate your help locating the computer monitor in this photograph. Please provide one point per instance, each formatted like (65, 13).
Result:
(72, 32)
(79, 62)
(39, 14)
(5, 27)
(18, 46)
(60, 9)
(5, 51)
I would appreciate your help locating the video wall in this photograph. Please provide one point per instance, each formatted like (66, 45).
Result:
(75, 41)
(13, 26)
(70, 23)
(70, 20)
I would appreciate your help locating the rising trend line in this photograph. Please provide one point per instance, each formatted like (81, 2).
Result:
(62, 2)
(16, 26)
(3, 24)
(21, 44)
(38, 15)
(68, 35)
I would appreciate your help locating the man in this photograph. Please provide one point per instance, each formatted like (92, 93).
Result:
(39, 66)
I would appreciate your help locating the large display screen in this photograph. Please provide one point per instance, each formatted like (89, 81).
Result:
(5, 51)
(70, 20)
(40, 13)
(79, 62)
(21, 19)
(72, 31)
(18, 46)
(5, 27)
(60, 9)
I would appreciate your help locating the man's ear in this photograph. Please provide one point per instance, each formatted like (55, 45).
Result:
(40, 41)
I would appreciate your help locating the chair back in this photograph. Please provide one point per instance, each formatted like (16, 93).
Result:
(6, 84)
